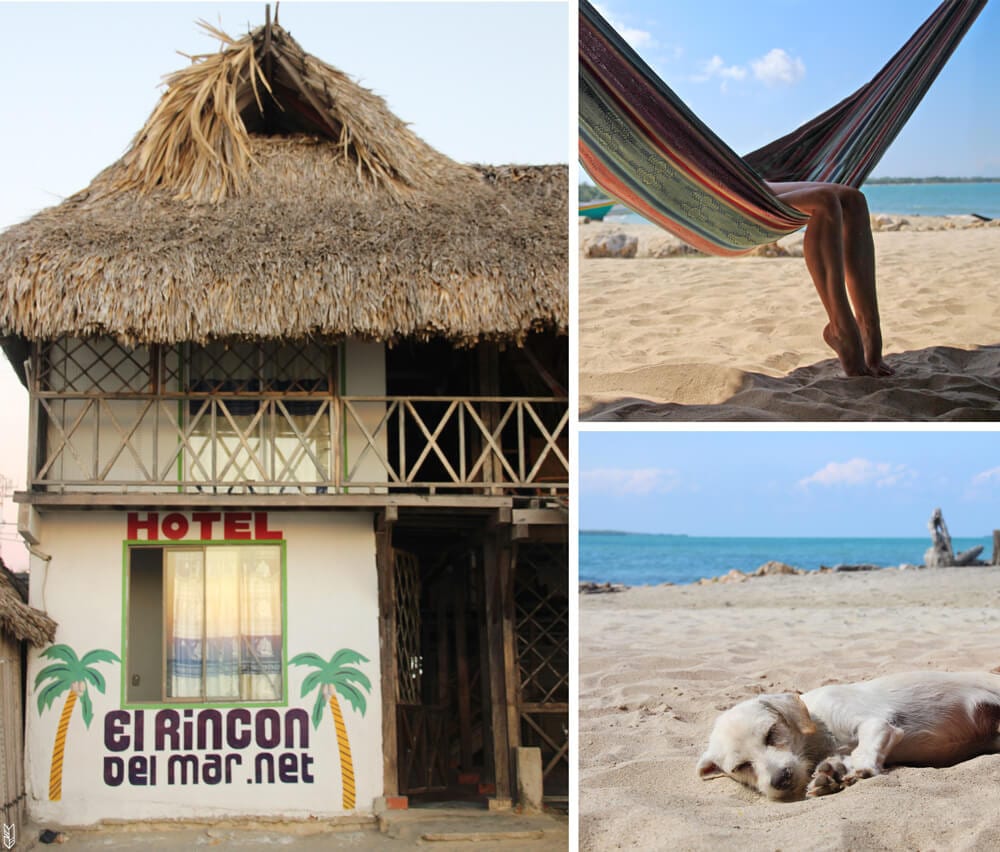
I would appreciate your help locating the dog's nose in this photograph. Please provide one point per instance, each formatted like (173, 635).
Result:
(782, 780)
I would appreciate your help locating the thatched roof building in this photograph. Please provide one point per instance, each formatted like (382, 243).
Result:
(270, 196)
(17, 619)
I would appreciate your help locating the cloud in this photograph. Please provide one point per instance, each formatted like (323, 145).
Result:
(620, 482)
(639, 39)
(859, 472)
(987, 477)
(777, 67)
(716, 69)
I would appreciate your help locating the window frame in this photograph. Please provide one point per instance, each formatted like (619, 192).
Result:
(164, 701)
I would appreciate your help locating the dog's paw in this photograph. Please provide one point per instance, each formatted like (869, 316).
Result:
(831, 776)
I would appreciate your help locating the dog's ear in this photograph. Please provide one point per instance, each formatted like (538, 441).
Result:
(708, 768)
(790, 707)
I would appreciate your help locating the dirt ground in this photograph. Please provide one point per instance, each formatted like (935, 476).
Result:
(453, 829)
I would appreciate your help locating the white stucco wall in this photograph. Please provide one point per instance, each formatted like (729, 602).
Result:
(332, 603)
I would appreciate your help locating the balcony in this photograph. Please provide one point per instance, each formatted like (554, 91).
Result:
(111, 421)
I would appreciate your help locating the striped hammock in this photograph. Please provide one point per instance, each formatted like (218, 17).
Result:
(643, 146)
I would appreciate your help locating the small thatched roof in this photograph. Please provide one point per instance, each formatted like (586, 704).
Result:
(268, 195)
(19, 620)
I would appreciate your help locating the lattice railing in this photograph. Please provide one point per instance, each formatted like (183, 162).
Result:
(275, 442)
(269, 417)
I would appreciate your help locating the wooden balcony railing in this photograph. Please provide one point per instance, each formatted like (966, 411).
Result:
(298, 443)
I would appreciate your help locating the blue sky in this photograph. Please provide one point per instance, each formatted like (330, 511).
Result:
(844, 483)
(482, 82)
(756, 70)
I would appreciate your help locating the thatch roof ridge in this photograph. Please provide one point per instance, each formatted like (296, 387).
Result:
(17, 619)
(196, 141)
(370, 233)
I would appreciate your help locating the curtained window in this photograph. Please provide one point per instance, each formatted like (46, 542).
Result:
(221, 624)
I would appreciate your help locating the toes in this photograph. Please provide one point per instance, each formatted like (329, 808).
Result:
(831, 769)
(828, 777)
(881, 369)
(823, 785)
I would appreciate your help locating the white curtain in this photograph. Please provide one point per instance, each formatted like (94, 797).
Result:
(261, 624)
(224, 619)
(185, 622)
(222, 622)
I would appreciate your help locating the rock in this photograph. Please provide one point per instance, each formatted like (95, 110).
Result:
(734, 576)
(888, 223)
(600, 588)
(861, 567)
(773, 568)
(769, 250)
(614, 245)
(675, 248)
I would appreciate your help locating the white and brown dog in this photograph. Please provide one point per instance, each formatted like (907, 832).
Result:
(788, 745)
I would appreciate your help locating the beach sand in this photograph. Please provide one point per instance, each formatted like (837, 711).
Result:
(705, 338)
(658, 664)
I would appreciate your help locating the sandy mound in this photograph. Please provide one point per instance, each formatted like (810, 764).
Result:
(700, 338)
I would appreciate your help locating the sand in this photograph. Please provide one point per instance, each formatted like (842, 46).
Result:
(705, 338)
(657, 664)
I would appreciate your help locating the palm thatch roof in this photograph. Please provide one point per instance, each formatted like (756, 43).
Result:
(270, 196)
(17, 619)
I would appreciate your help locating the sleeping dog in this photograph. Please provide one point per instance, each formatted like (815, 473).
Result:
(786, 746)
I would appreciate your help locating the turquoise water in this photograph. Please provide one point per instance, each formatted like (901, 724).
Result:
(636, 559)
(934, 199)
(908, 199)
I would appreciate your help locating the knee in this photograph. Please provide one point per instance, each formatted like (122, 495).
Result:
(828, 205)
(853, 202)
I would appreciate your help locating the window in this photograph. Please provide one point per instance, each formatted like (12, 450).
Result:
(205, 623)
(260, 412)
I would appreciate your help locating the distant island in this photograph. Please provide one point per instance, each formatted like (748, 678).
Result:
(588, 192)
(623, 532)
(881, 181)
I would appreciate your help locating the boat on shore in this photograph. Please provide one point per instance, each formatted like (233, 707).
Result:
(596, 209)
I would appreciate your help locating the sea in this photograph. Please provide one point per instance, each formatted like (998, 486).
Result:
(906, 199)
(637, 559)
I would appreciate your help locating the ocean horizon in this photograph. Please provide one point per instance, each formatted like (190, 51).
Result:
(647, 559)
(905, 199)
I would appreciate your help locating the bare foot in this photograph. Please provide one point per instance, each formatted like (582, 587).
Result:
(878, 367)
(849, 351)
(872, 340)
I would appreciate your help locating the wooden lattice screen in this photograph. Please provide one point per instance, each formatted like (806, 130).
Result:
(11, 744)
(542, 613)
(409, 661)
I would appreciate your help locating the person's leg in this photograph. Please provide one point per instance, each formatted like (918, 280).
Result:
(859, 268)
(823, 249)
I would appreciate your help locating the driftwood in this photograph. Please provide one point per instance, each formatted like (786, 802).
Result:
(940, 553)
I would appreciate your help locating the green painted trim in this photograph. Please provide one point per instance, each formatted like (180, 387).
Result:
(284, 624)
(343, 425)
(180, 455)
(207, 705)
(187, 705)
(125, 594)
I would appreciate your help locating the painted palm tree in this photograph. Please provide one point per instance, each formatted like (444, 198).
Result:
(330, 678)
(70, 674)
